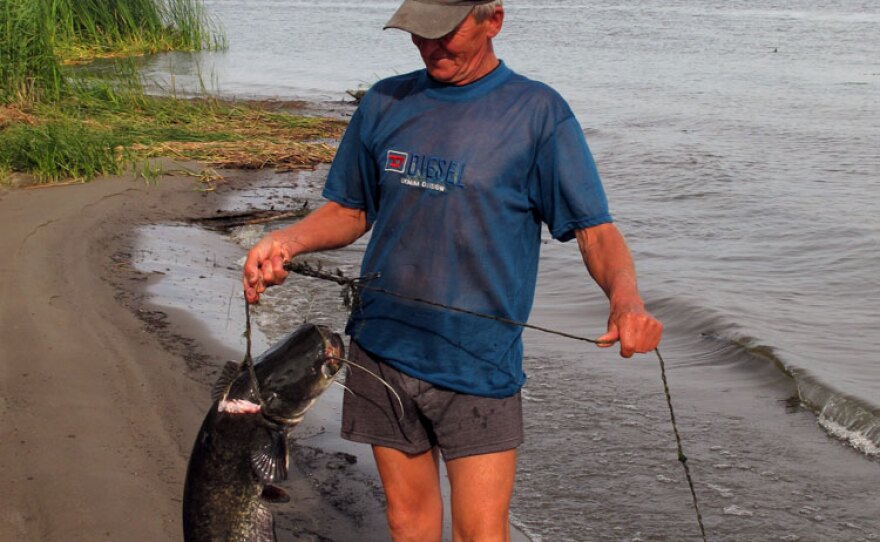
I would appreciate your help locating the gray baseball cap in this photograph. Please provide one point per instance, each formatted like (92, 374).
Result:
(432, 19)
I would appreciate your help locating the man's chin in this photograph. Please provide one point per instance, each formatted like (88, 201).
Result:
(442, 75)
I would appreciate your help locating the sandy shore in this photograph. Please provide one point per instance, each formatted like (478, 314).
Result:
(101, 394)
(103, 390)
(96, 418)
(115, 314)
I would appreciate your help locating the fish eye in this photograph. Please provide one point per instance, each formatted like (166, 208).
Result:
(327, 371)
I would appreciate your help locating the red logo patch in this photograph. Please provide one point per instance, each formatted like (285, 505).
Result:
(396, 161)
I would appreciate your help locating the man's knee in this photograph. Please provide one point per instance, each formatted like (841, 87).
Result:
(482, 486)
(416, 520)
(412, 491)
(492, 526)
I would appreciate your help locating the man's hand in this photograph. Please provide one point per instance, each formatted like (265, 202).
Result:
(264, 267)
(327, 227)
(636, 329)
(609, 262)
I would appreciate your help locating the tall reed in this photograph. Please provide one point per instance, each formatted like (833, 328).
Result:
(29, 68)
(37, 36)
(107, 26)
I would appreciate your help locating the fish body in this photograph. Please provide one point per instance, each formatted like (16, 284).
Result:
(238, 455)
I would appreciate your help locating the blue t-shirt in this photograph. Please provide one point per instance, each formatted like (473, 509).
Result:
(455, 182)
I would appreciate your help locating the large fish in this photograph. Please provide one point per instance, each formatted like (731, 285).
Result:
(241, 449)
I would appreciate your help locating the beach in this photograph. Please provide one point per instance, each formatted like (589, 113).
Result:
(101, 396)
(737, 147)
(96, 413)
(120, 306)
(105, 381)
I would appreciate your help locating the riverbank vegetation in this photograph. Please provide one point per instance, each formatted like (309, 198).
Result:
(57, 122)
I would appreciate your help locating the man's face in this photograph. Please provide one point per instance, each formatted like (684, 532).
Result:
(461, 56)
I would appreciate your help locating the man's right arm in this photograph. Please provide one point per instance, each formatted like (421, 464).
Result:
(330, 226)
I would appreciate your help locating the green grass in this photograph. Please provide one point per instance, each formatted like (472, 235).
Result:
(56, 123)
(61, 150)
(105, 127)
(29, 67)
(37, 37)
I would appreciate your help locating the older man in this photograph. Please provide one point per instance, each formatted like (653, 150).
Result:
(455, 168)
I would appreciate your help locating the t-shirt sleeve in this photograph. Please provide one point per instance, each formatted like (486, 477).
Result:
(353, 178)
(568, 192)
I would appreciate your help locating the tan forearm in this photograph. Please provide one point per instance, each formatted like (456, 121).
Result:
(609, 262)
(328, 227)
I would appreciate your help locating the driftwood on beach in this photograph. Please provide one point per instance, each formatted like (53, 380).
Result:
(227, 221)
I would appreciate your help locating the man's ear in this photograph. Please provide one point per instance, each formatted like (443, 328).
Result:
(496, 21)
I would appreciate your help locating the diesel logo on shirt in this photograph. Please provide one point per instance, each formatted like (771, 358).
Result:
(425, 171)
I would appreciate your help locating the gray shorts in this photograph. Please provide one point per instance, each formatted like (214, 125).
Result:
(457, 423)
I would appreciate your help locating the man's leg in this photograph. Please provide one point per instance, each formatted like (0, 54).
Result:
(412, 489)
(482, 486)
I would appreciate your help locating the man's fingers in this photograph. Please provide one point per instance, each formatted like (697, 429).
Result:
(278, 271)
(267, 272)
(627, 345)
(252, 288)
(609, 338)
(639, 333)
(251, 295)
(263, 267)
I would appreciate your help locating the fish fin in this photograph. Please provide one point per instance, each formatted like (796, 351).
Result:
(224, 381)
(265, 526)
(274, 494)
(270, 460)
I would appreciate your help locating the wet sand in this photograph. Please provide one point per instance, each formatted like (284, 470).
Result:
(96, 414)
(116, 315)
(101, 393)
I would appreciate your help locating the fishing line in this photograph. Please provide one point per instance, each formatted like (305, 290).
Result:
(351, 295)
(248, 362)
(377, 377)
(681, 457)
(354, 284)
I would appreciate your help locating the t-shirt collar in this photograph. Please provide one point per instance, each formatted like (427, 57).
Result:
(475, 89)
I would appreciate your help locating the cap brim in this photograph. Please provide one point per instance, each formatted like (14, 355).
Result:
(429, 21)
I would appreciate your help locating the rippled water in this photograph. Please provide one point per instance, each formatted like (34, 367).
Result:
(739, 142)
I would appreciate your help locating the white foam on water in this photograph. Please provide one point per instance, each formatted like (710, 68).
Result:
(534, 537)
(722, 491)
(248, 235)
(734, 510)
(854, 438)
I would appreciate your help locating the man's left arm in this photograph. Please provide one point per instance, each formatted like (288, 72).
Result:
(609, 262)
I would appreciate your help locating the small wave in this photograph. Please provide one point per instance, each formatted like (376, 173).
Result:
(854, 438)
(516, 522)
(844, 417)
(853, 420)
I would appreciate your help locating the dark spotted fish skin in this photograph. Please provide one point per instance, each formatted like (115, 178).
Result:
(237, 457)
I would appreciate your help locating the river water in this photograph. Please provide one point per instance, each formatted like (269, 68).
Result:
(739, 142)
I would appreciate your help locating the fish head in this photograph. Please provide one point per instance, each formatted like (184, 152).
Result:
(294, 372)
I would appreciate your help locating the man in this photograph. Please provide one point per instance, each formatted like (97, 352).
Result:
(454, 168)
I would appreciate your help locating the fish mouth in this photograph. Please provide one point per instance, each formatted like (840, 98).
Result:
(334, 352)
(294, 418)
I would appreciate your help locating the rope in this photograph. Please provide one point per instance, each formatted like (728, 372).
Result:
(248, 362)
(681, 457)
(353, 285)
